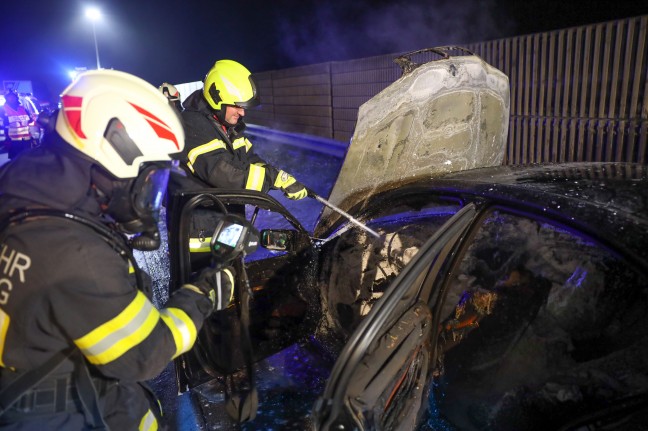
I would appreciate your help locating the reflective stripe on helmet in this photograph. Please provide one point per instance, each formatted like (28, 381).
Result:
(72, 111)
(160, 127)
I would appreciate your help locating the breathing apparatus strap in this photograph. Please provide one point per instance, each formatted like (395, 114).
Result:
(85, 387)
(10, 394)
(116, 241)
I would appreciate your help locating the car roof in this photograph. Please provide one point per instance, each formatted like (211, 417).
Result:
(619, 187)
(606, 200)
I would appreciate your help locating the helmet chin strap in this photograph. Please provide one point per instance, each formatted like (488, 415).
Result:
(220, 116)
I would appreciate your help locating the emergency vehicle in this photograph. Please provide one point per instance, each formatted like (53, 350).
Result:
(33, 108)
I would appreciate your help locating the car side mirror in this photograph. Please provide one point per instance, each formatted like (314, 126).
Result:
(284, 240)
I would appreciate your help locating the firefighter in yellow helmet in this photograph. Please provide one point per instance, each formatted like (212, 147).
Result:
(78, 331)
(216, 153)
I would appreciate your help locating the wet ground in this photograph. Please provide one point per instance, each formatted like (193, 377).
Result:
(286, 383)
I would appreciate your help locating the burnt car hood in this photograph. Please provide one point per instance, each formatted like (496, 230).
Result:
(443, 116)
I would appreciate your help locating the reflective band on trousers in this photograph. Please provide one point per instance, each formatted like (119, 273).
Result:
(112, 339)
(148, 422)
(182, 328)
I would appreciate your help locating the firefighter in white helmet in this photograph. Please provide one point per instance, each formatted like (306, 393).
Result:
(78, 331)
(172, 94)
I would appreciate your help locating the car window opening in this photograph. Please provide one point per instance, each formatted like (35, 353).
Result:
(536, 296)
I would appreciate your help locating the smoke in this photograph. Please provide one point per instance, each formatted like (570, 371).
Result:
(364, 28)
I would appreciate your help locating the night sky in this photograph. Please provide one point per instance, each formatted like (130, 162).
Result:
(178, 41)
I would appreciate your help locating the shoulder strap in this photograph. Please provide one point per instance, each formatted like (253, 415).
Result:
(10, 394)
(88, 394)
(85, 387)
(117, 242)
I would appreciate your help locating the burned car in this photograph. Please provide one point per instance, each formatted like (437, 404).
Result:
(479, 296)
(519, 303)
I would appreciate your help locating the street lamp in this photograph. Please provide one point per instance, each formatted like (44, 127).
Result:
(94, 15)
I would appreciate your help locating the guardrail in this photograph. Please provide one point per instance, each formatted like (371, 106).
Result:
(330, 147)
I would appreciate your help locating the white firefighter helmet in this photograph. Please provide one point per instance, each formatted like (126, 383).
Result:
(169, 91)
(119, 120)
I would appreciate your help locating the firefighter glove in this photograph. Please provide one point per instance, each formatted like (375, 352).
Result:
(218, 286)
(292, 188)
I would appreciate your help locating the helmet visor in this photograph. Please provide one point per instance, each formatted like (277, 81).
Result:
(251, 102)
(150, 187)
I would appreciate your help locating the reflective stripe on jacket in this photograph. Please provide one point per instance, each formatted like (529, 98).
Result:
(220, 159)
(17, 122)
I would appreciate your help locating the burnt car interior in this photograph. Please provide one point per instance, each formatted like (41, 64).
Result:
(380, 379)
(533, 318)
(537, 319)
(357, 268)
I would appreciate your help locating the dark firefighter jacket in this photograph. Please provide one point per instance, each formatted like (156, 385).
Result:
(218, 158)
(62, 285)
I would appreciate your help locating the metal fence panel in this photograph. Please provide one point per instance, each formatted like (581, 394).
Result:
(577, 94)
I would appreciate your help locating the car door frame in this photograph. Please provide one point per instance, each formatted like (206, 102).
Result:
(331, 410)
(179, 253)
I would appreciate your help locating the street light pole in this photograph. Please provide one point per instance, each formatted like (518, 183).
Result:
(94, 33)
(94, 14)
